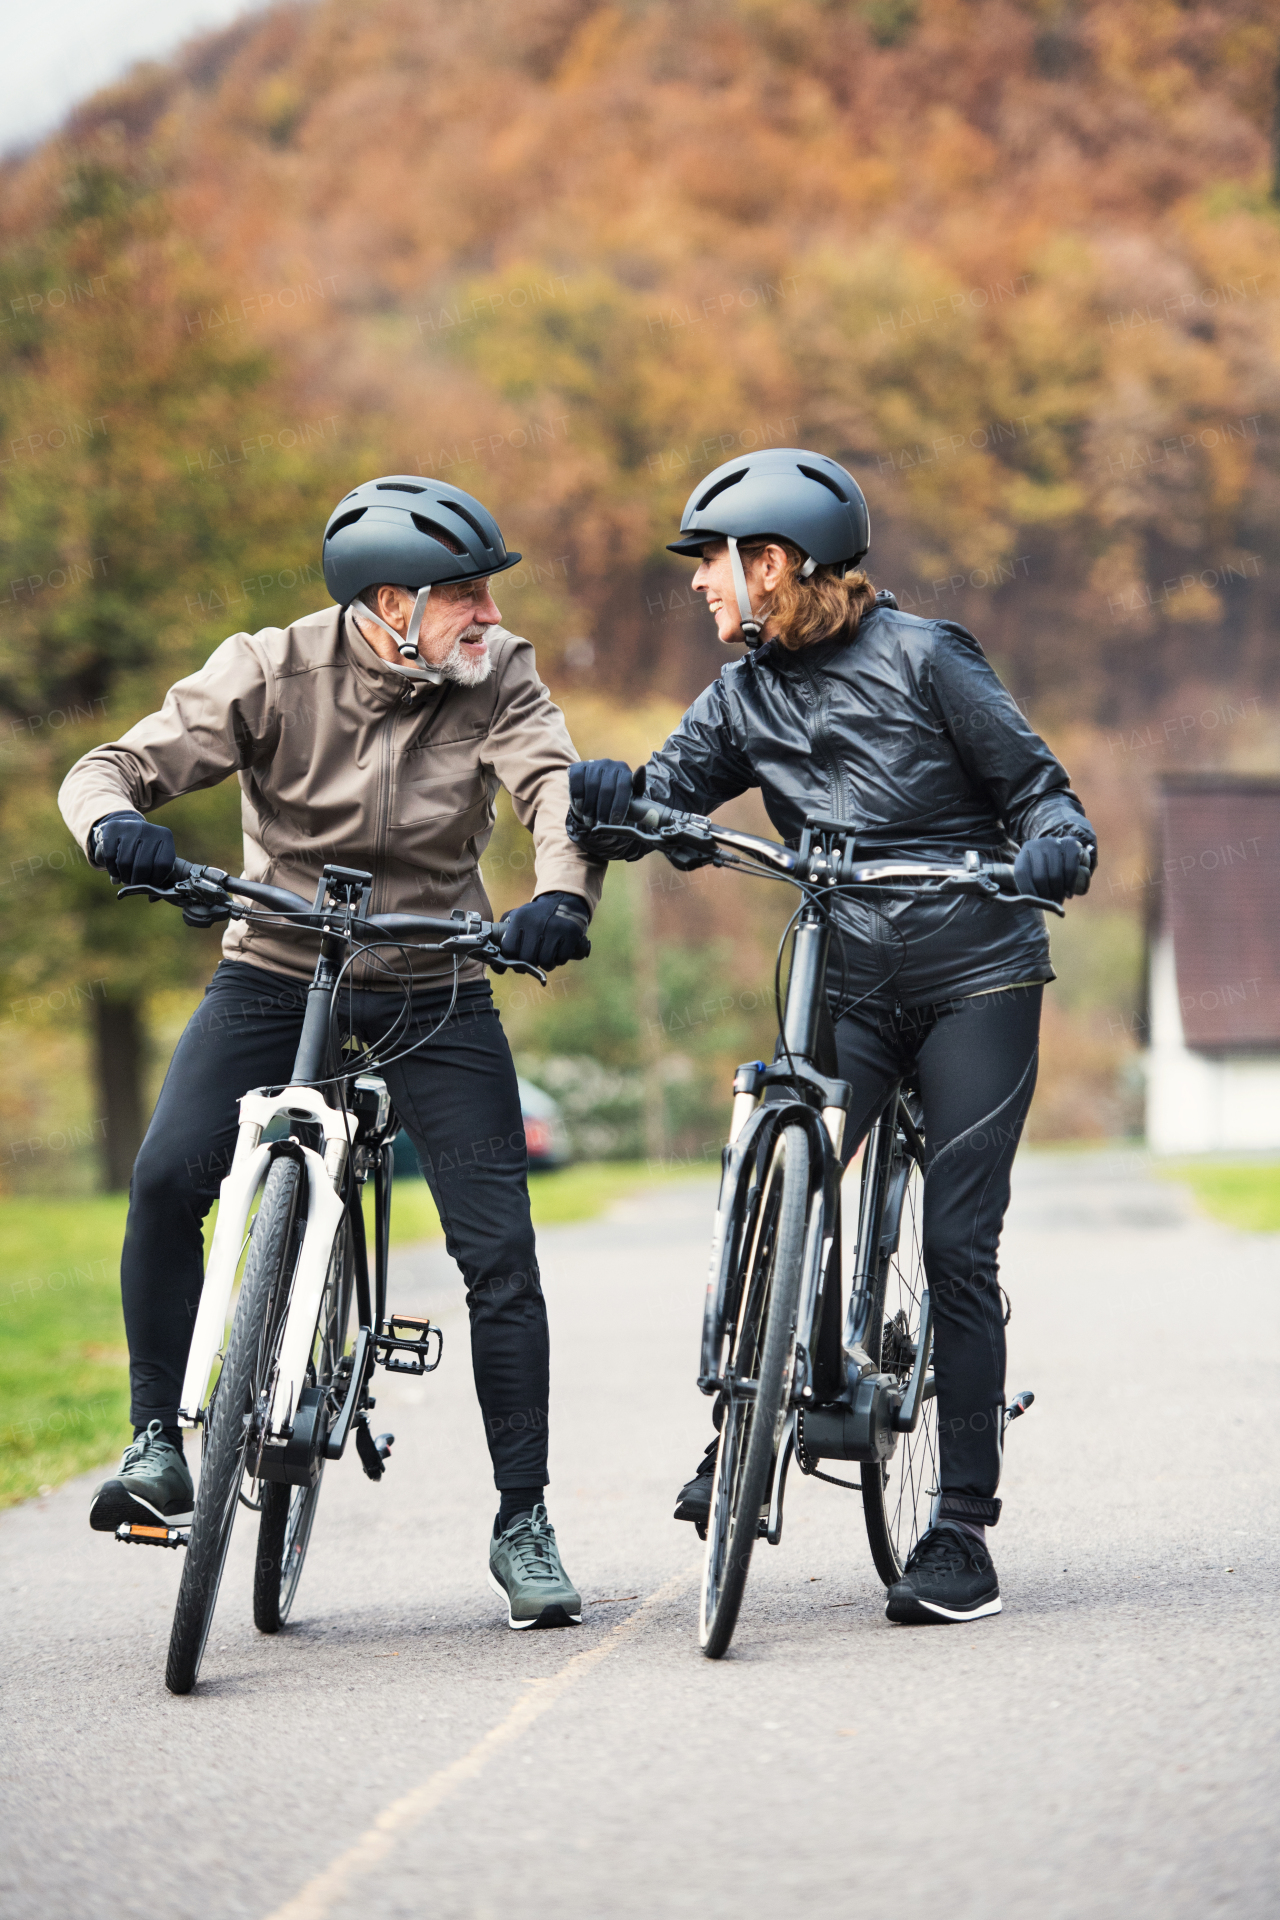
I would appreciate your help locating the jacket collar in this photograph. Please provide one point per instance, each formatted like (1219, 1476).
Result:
(385, 682)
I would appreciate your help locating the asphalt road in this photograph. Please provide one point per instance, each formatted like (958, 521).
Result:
(1106, 1746)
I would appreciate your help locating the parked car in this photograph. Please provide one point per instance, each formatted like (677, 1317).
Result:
(545, 1133)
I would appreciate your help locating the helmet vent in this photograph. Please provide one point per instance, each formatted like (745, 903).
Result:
(730, 480)
(347, 520)
(398, 486)
(455, 506)
(825, 480)
(435, 532)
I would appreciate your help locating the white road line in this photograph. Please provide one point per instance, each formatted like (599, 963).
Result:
(319, 1894)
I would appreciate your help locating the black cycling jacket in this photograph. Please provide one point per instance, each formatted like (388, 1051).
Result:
(906, 730)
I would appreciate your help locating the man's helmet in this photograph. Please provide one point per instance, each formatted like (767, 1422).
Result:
(406, 531)
(789, 493)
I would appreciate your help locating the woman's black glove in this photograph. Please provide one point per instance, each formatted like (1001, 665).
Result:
(1050, 868)
(548, 931)
(134, 852)
(600, 791)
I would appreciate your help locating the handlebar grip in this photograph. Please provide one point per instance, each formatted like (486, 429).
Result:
(1004, 878)
(182, 870)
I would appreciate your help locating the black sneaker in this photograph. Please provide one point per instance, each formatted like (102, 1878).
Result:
(693, 1502)
(949, 1576)
(152, 1483)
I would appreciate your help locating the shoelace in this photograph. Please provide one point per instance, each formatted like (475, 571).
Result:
(940, 1547)
(137, 1450)
(532, 1544)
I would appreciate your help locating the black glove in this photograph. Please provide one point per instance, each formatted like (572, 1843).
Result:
(547, 932)
(134, 852)
(601, 790)
(1048, 867)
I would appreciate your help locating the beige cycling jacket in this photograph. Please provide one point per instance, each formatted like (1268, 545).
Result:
(346, 759)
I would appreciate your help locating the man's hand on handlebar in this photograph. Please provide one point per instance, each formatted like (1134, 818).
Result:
(1051, 868)
(134, 852)
(547, 931)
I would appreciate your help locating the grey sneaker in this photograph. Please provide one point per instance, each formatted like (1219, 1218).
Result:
(524, 1567)
(152, 1482)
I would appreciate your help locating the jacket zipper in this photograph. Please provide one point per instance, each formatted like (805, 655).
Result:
(822, 743)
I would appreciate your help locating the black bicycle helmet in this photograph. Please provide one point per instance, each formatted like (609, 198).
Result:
(787, 492)
(407, 531)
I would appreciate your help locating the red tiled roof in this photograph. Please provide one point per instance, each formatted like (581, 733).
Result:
(1220, 847)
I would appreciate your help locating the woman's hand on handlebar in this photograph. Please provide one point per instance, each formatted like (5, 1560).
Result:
(1051, 868)
(602, 790)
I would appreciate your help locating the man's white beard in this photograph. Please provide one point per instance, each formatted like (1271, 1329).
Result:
(463, 669)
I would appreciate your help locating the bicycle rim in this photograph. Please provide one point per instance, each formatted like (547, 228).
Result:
(288, 1512)
(898, 1494)
(762, 1352)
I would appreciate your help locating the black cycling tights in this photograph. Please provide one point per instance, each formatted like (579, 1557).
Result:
(974, 1061)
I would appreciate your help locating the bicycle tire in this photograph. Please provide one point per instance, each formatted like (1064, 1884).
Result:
(288, 1513)
(898, 1493)
(264, 1290)
(763, 1350)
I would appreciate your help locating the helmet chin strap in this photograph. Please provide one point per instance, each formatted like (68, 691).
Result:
(408, 642)
(751, 632)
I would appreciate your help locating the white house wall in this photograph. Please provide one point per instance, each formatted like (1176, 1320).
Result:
(1203, 1102)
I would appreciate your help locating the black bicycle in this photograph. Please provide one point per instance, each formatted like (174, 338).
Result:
(791, 1376)
(278, 1397)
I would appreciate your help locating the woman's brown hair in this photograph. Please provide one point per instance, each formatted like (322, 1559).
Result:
(823, 607)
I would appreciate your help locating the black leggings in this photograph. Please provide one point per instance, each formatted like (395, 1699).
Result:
(974, 1061)
(459, 1103)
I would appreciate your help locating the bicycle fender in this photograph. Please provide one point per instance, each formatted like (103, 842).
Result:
(325, 1209)
(235, 1197)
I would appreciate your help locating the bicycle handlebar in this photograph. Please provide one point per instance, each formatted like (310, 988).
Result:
(826, 857)
(194, 887)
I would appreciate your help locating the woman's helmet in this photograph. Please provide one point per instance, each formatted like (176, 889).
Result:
(786, 492)
(405, 531)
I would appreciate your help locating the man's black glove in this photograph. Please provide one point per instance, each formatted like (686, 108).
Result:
(134, 852)
(547, 932)
(1051, 868)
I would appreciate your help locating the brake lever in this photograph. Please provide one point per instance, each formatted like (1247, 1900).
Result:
(497, 962)
(1027, 899)
(176, 896)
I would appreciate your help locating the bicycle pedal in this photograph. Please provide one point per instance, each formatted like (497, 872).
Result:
(136, 1536)
(374, 1453)
(1018, 1405)
(404, 1345)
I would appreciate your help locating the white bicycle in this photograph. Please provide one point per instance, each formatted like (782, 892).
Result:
(281, 1395)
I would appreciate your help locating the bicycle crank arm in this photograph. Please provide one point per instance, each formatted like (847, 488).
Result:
(360, 1369)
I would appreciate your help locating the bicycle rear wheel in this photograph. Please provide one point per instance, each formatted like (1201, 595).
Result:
(288, 1513)
(761, 1357)
(229, 1429)
(898, 1493)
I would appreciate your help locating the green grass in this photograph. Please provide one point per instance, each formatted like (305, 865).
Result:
(64, 1390)
(1243, 1193)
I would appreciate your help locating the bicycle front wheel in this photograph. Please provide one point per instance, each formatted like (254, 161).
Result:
(898, 1493)
(761, 1361)
(288, 1513)
(264, 1295)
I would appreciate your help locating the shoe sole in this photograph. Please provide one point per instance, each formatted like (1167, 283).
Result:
(112, 1509)
(913, 1612)
(553, 1616)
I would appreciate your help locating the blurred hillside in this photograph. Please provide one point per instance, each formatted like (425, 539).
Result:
(1015, 262)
